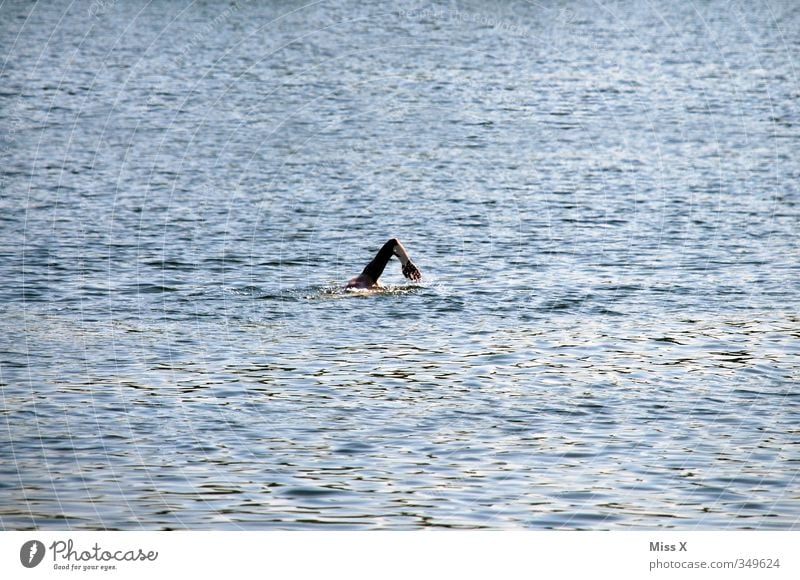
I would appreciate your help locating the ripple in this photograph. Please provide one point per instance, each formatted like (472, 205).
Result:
(605, 336)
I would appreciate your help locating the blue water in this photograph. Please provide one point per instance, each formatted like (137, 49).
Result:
(602, 198)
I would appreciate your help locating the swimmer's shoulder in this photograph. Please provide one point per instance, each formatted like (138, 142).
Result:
(362, 282)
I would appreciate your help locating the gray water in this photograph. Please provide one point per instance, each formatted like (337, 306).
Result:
(602, 197)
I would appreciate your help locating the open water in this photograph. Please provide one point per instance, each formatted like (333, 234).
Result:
(602, 197)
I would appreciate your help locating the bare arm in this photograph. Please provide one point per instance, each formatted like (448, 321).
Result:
(410, 271)
(369, 277)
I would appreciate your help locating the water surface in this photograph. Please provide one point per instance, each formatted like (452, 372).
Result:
(602, 199)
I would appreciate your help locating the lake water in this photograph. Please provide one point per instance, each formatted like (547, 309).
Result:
(602, 198)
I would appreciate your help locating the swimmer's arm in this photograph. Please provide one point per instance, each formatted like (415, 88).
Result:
(410, 271)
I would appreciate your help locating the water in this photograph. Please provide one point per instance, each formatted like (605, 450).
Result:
(602, 199)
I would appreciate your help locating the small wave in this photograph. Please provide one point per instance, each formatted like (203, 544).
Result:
(342, 292)
(147, 288)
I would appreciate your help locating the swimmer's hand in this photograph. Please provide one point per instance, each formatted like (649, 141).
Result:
(411, 272)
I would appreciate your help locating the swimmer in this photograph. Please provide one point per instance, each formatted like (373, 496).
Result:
(369, 277)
